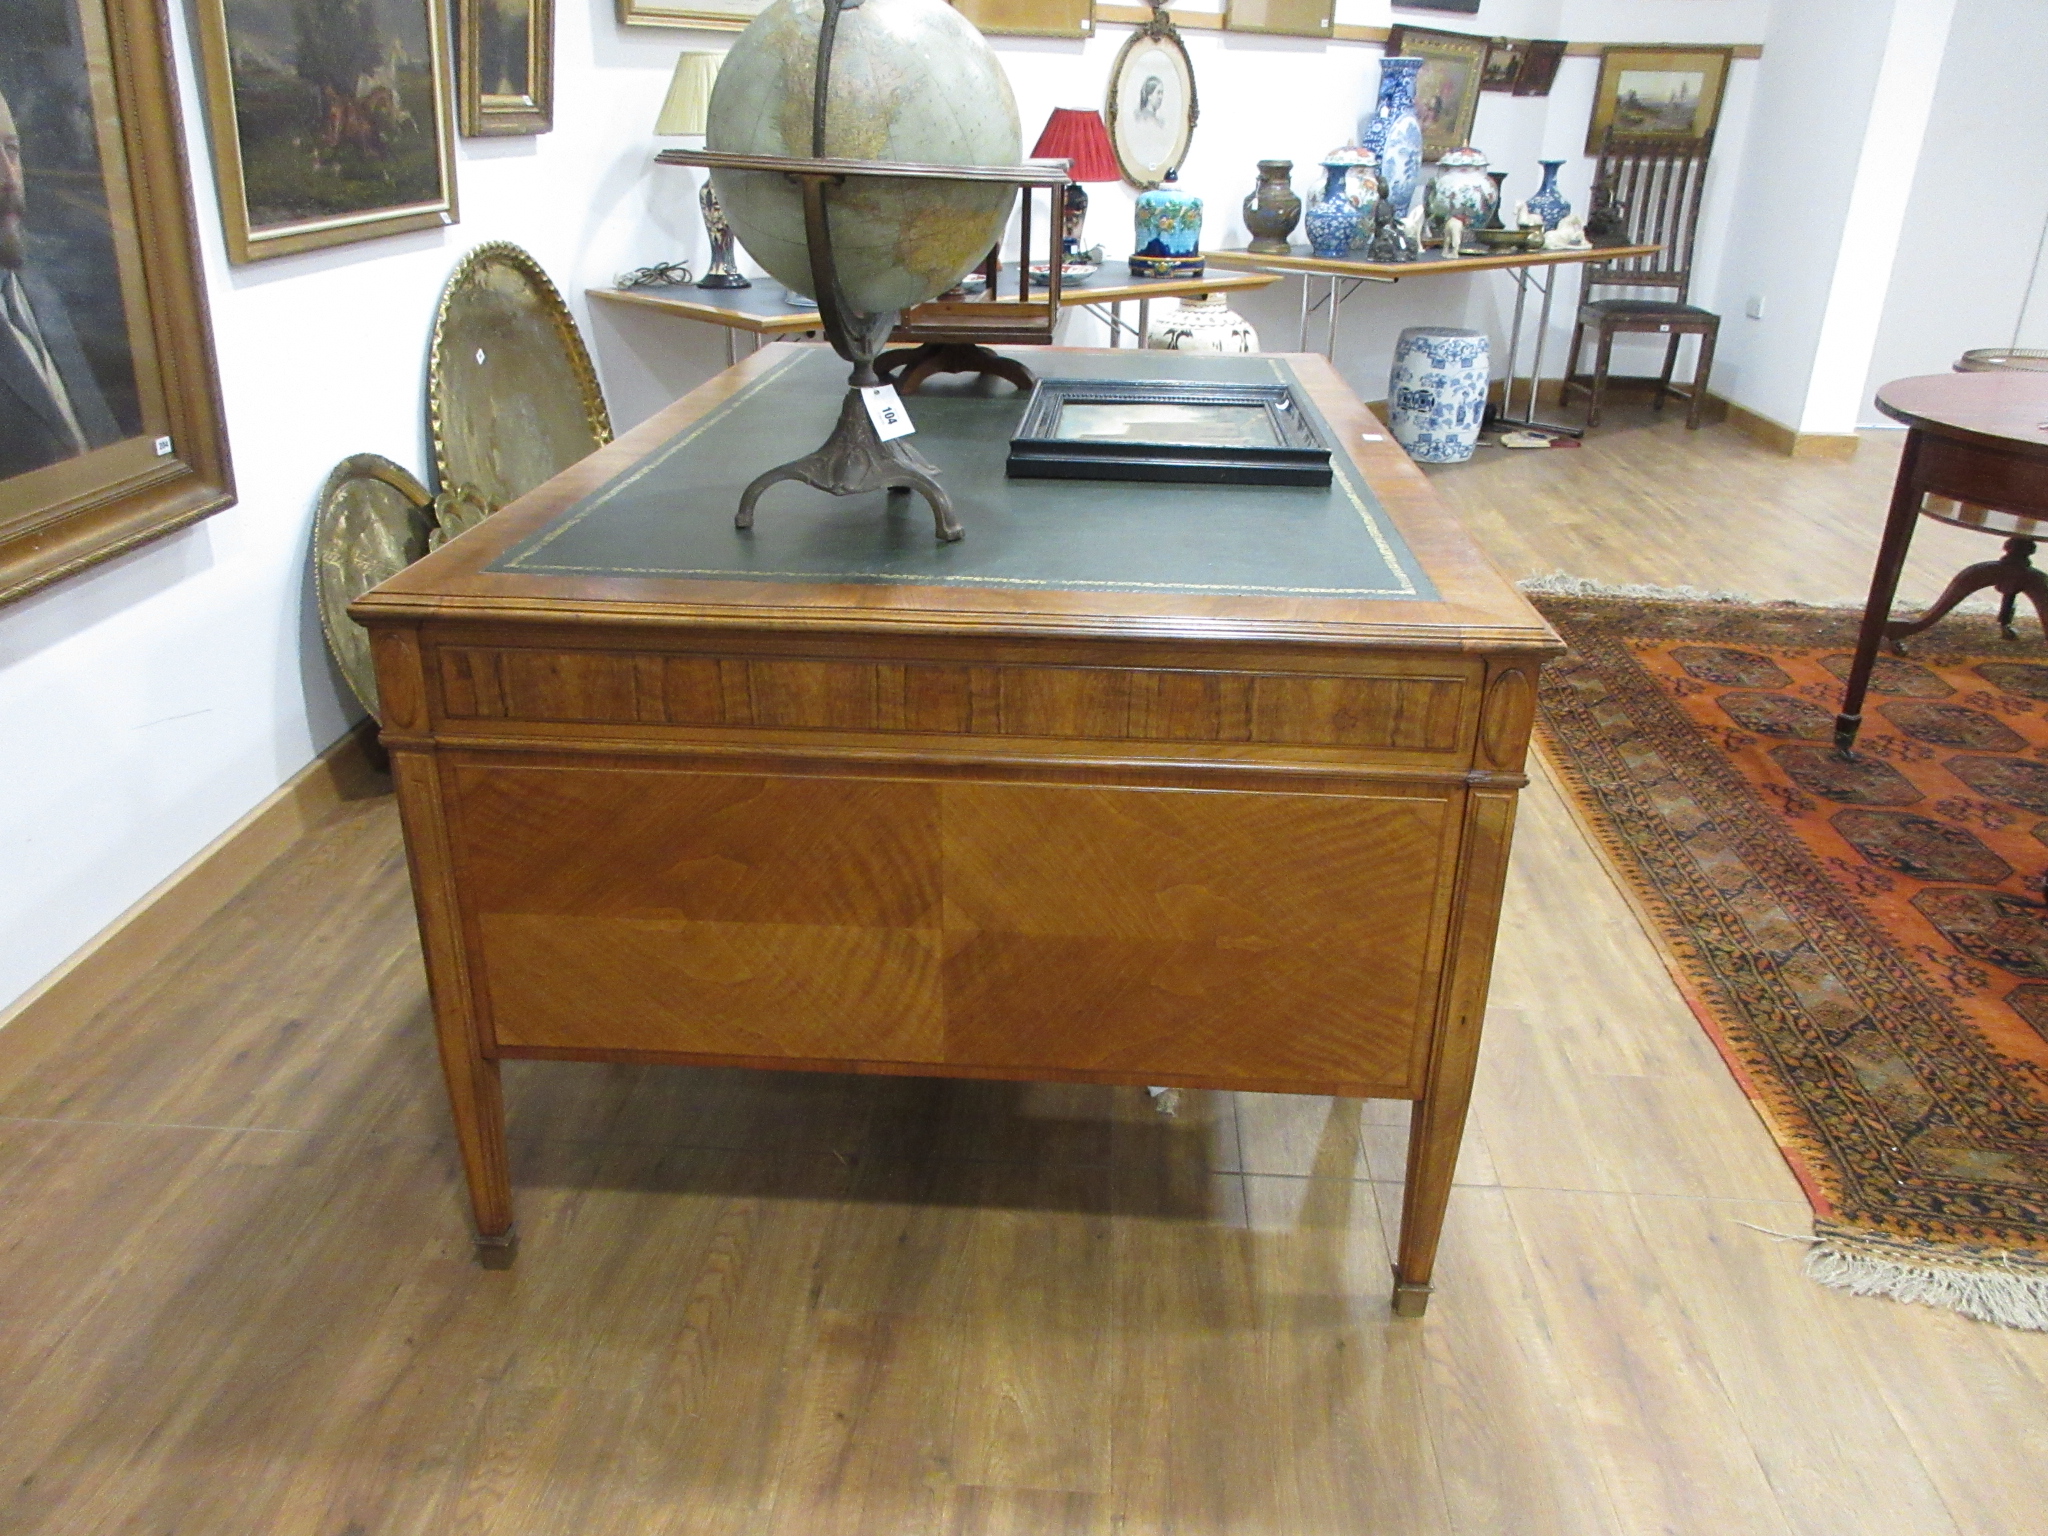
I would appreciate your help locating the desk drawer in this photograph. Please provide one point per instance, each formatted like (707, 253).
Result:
(1070, 928)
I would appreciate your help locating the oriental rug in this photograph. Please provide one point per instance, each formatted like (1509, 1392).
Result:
(1866, 941)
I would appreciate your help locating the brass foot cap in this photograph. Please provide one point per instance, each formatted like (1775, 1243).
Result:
(499, 1251)
(1411, 1299)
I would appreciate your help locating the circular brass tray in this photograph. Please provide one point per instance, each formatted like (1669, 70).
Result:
(512, 399)
(374, 520)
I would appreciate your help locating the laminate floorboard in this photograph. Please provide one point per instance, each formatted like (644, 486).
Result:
(236, 1295)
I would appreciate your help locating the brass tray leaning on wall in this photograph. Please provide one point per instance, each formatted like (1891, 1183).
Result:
(512, 399)
(374, 520)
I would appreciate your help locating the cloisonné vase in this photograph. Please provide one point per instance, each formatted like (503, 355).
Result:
(1169, 238)
(1333, 218)
(1393, 132)
(1548, 201)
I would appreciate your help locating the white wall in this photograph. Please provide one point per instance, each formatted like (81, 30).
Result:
(152, 701)
(1978, 202)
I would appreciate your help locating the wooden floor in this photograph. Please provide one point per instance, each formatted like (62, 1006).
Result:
(235, 1295)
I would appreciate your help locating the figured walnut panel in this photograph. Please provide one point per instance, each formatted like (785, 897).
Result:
(1225, 935)
(1282, 936)
(1399, 713)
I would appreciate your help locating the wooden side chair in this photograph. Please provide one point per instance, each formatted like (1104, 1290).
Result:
(1645, 192)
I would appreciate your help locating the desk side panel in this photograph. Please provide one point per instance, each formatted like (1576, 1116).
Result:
(865, 915)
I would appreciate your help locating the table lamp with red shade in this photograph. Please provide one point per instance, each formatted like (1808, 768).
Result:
(1077, 136)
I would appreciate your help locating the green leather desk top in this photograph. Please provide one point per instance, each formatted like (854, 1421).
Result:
(671, 514)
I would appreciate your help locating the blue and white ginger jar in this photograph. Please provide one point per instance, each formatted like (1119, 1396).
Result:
(1393, 132)
(1437, 392)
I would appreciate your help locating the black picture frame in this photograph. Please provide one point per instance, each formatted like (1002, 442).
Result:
(1296, 452)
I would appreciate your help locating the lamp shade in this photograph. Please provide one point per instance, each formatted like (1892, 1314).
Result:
(689, 94)
(1077, 136)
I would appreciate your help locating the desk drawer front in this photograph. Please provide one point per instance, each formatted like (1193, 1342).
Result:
(1386, 713)
(1247, 936)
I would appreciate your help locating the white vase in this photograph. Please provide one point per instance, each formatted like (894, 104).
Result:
(1204, 324)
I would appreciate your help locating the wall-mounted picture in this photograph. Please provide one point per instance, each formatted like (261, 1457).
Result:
(110, 419)
(1447, 85)
(331, 120)
(1672, 94)
(1540, 58)
(505, 66)
(1504, 57)
(1030, 18)
(1467, 7)
(701, 15)
(1152, 107)
(1287, 18)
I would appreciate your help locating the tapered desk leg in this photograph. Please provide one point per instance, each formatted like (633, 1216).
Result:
(1438, 1119)
(1884, 585)
(474, 1096)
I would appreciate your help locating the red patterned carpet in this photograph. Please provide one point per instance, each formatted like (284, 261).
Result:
(1866, 940)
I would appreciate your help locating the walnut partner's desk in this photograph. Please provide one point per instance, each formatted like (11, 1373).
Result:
(1137, 785)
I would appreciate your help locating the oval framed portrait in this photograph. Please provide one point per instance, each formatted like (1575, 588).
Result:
(1152, 107)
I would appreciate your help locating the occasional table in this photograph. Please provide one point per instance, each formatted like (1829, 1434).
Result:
(1152, 784)
(1976, 457)
(1536, 269)
(763, 311)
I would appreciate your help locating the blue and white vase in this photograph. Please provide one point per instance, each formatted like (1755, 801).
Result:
(1462, 190)
(1548, 201)
(1394, 133)
(1333, 218)
(1169, 242)
(1437, 393)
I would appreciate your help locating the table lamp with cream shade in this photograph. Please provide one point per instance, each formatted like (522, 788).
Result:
(684, 112)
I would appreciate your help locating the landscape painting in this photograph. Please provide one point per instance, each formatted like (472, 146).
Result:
(330, 120)
(505, 80)
(1673, 94)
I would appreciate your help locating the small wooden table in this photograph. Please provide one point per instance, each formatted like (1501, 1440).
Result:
(1526, 267)
(1167, 785)
(1976, 457)
(762, 311)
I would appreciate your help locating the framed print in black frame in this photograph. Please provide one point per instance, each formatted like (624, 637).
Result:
(505, 67)
(111, 430)
(1166, 430)
(331, 120)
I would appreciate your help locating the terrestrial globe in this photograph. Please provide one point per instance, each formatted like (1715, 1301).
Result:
(911, 81)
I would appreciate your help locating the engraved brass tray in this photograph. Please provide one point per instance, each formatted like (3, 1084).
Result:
(512, 399)
(374, 520)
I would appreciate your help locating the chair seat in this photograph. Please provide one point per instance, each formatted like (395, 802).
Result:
(1624, 311)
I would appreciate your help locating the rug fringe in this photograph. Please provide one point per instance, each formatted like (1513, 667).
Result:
(1564, 584)
(2010, 1296)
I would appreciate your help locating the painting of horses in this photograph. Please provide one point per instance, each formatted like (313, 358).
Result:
(330, 120)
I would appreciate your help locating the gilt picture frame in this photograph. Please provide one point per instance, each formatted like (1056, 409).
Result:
(331, 122)
(505, 67)
(1030, 18)
(112, 432)
(1281, 18)
(1447, 86)
(1152, 107)
(1668, 94)
(699, 15)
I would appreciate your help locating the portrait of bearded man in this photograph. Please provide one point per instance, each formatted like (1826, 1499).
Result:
(51, 405)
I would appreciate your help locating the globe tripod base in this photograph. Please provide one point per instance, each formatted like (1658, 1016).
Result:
(854, 460)
(921, 362)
